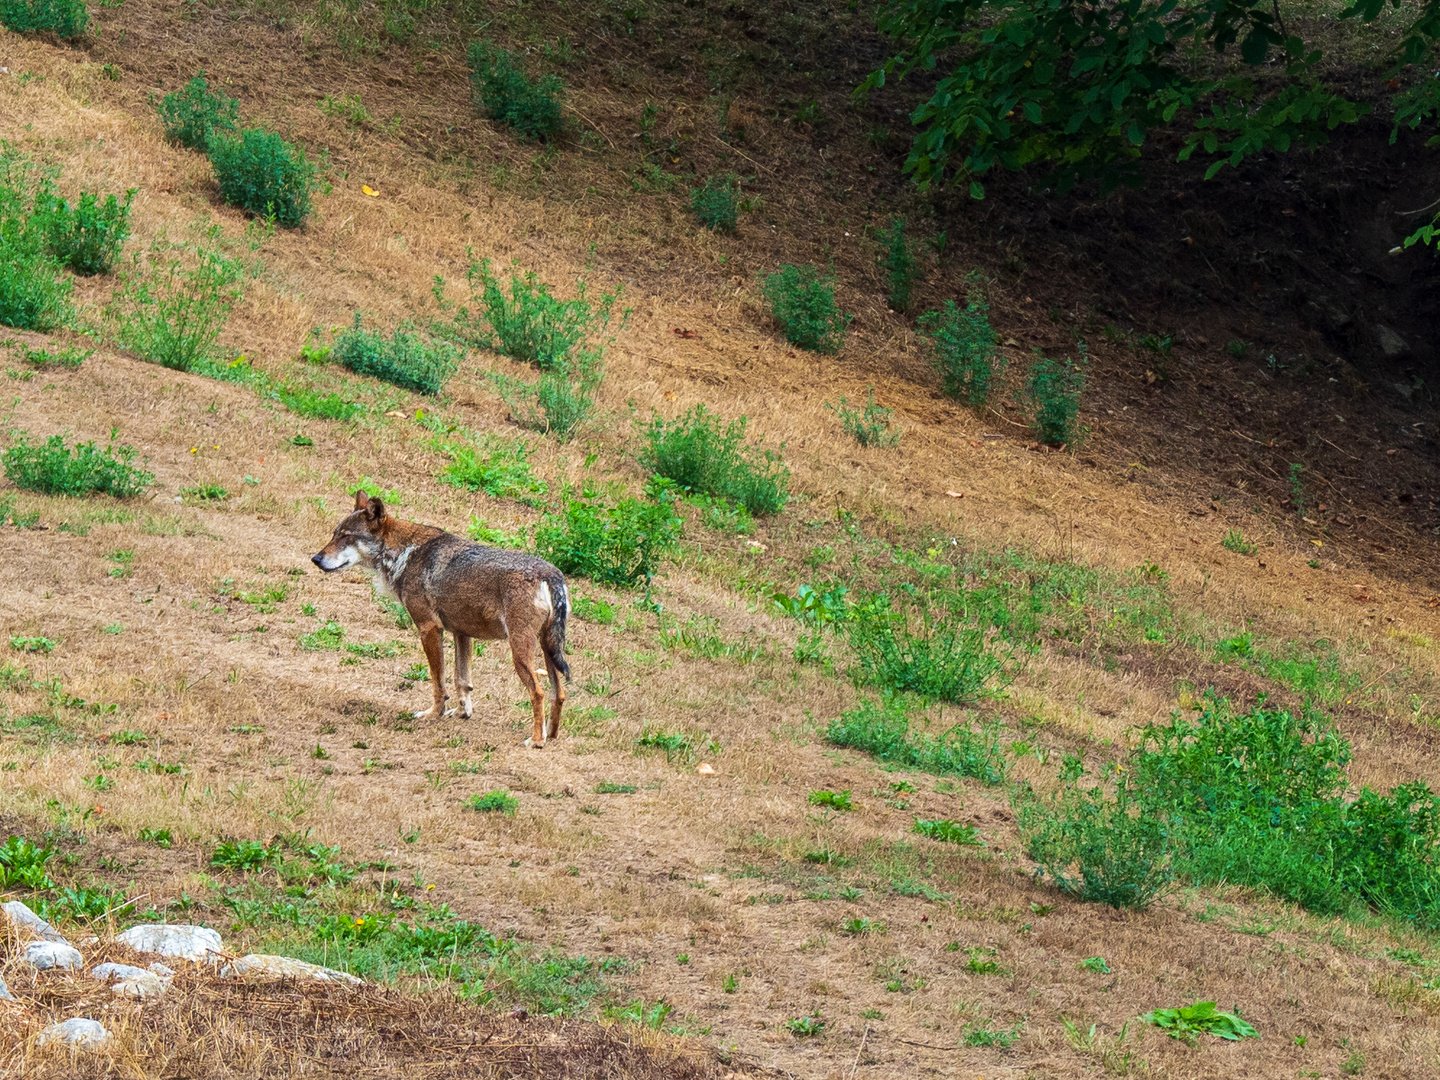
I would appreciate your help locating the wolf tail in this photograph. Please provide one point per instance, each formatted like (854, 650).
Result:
(552, 635)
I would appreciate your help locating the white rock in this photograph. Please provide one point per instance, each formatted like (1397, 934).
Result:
(168, 939)
(111, 972)
(283, 967)
(78, 1033)
(160, 969)
(28, 921)
(131, 981)
(5, 994)
(44, 955)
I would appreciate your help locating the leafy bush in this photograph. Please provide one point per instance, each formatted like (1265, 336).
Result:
(697, 455)
(22, 864)
(194, 116)
(965, 348)
(52, 469)
(1256, 799)
(883, 731)
(493, 465)
(941, 655)
(533, 326)
(243, 855)
(717, 204)
(554, 404)
(86, 237)
(1055, 387)
(871, 427)
(949, 831)
(1190, 1021)
(260, 172)
(32, 295)
(803, 303)
(620, 544)
(899, 265)
(171, 312)
(405, 359)
(66, 19)
(530, 106)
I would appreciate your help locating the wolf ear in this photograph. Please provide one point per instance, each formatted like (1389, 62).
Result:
(376, 512)
(362, 501)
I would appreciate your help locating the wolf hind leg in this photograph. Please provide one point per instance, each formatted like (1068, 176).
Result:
(464, 646)
(432, 641)
(522, 652)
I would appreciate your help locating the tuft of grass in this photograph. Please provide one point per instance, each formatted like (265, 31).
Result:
(1234, 540)
(949, 832)
(171, 309)
(803, 303)
(313, 404)
(899, 265)
(695, 453)
(496, 466)
(404, 359)
(530, 106)
(193, 116)
(497, 801)
(986, 1035)
(883, 731)
(52, 468)
(834, 800)
(607, 787)
(330, 636)
(870, 426)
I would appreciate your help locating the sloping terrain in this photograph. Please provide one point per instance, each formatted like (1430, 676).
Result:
(177, 694)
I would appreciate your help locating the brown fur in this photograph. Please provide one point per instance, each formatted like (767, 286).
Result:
(474, 592)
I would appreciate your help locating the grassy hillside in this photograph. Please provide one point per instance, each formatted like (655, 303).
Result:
(202, 723)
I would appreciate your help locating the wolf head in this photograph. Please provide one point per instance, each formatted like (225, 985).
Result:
(357, 540)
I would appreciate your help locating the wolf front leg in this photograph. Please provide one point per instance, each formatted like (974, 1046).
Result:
(432, 640)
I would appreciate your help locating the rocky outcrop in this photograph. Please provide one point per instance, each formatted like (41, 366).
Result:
(259, 965)
(197, 943)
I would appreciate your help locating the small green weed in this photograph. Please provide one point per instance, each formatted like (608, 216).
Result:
(949, 832)
(330, 636)
(899, 264)
(858, 927)
(85, 237)
(1189, 1022)
(33, 644)
(592, 610)
(53, 469)
(497, 801)
(129, 738)
(22, 864)
(606, 787)
(482, 533)
(243, 855)
(986, 1035)
(870, 426)
(303, 401)
(534, 326)
(1094, 964)
(803, 303)
(71, 357)
(204, 493)
(171, 310)
(1234, 540)
(834, 800)
(496, 466)
(651, 1016)
(193, 116)
(158, 837)
(673, 743)
(347, 107)
(883, 731)
(806, 1027)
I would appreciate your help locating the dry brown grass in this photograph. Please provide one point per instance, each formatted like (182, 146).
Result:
(708, 867)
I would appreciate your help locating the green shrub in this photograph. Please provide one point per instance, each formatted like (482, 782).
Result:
(86, 237)
(193, 116)
(941, 655)
(33, 296)
(405, 359)
(1234, 540)
(899, 265)
(554, 404)
(493, 465)
(870, 427)
(965, 348)
(1055, 387)
(260, 172)
(171, 312)
(533, 326)
(303, 401)
(619, 544)
(694, 453)
(22, 864)
(66, 19)
(52, 469)
(717, 204)
(530, 106)
(883, 731)
(803, 303)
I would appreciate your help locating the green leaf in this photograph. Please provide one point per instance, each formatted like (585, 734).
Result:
(1032, 112)
(977, 190)
(1136, 134)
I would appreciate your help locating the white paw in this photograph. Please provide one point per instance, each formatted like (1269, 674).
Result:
(531, 744)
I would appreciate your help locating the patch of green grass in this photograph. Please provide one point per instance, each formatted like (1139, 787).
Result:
(497, 801)
(23, 864)
(52, 468)
(607, 787)
(310, 403)
(1094, 964)
(858, 927)
(672, 743)
(949, 832)
(530, 106)
(717, 203)
(404, 359)
(195, 115)
(204, 493)
(870, 426)
(987, 1036)
(1189, 1022)
(883, 730)
(330, 636)
(33, 644)
(833, 800)
(806, 1027)
(158, 837)
(695, 453)
(482, 533)
(380, 650)
(592, 610)
(71, 357)
(496, 466)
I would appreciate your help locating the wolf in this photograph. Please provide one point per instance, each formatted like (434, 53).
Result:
(474, 592)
